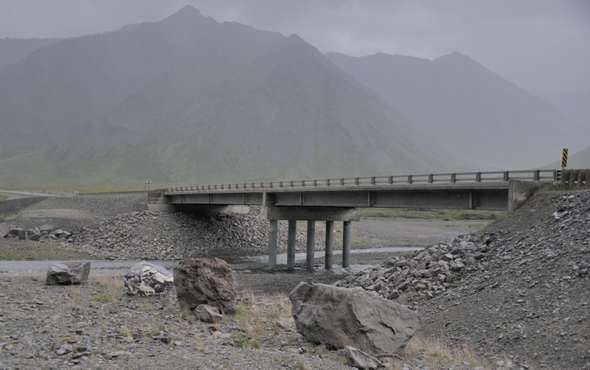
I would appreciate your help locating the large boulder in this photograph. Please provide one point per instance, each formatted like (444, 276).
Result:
(340, 317)
(205, 281)
(147, 279)
(68, 273)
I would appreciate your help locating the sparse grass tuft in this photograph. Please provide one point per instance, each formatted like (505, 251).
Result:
(111, 289)
(259, 319)
(200, 344)
(127, 333)
(299, 365)
(437, 355)
(73, 294)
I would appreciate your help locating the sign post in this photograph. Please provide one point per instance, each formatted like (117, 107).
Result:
(564, 158)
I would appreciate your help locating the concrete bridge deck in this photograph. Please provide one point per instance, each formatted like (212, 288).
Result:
(339, 199)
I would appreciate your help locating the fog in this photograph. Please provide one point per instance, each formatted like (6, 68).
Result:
(277, 89)
(541, 45)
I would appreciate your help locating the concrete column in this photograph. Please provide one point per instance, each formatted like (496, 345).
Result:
(346, 238)
(310, 244)
(272, 243)
(329, 243)
(291, 237)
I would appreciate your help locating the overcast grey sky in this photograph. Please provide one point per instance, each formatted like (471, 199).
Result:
(542, 45)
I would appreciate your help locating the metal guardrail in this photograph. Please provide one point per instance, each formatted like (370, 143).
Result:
(546, 176)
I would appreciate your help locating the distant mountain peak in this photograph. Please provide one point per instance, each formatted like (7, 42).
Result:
(187, 12)
(189, 9)
(455, 56)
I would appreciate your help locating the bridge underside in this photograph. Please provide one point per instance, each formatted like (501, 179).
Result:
(331, 205)
(468, 198)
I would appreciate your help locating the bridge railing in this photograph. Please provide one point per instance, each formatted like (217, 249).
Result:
(377, 181)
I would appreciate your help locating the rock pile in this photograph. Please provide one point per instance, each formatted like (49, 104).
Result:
(147, 279)
(44, 232)
(425, 273)
(155, 235)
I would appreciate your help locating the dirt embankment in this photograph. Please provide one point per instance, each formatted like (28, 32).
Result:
(519, 293)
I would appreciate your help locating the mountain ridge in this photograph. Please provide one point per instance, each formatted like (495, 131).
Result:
(192, 99)
(474, 113)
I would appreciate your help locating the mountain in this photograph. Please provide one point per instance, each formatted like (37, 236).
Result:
(474, 114)
(13, 50)
(192, 99)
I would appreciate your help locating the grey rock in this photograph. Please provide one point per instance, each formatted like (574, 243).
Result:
(63, 349)
(361, 360)
(47, 228)
(207, 313)
(68, 273)
(34, 234)
(205, 281)
(339, 317)
(116, 354)
(59, 233)
(457, 265)
(147, 279)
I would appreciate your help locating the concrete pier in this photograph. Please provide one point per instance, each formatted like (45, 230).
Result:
(310, 244)
(310, 214)
(329, 244)
(291, 238)
(272, 243)
(346, 239)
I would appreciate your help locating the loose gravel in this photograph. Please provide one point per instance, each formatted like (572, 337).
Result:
(521, 289)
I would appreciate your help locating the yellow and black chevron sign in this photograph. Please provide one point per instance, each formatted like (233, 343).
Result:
(564, 158)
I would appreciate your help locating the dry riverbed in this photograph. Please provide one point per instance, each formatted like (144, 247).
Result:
(98, 326)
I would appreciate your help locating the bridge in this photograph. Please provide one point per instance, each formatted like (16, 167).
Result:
(338, 200)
